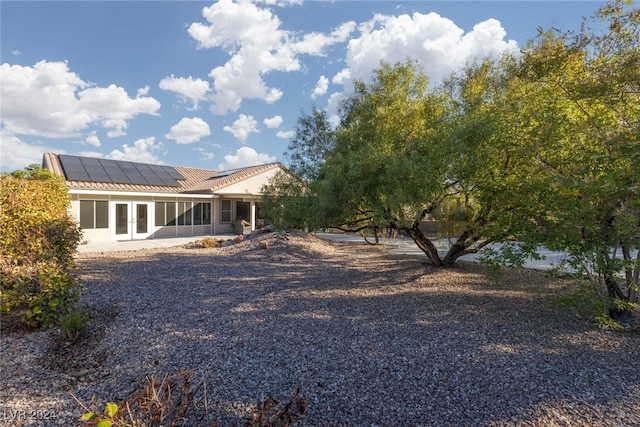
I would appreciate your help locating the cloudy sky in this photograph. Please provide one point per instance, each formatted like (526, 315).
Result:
(220, 85)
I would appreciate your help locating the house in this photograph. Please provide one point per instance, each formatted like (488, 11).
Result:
(122, 200)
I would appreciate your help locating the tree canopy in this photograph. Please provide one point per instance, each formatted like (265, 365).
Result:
(539, 146)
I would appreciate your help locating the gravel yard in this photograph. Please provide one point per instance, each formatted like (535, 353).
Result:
(369, 338)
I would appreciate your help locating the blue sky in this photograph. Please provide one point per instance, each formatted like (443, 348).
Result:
(220, 85)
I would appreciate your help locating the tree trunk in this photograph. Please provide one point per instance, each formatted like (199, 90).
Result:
(615, 292)
(632, 273)
(424, 243)
(458, 249)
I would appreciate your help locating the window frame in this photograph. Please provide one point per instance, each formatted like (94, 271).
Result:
(224, 211)
(99, 214)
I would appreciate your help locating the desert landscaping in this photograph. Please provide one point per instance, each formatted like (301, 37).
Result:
(367, 337)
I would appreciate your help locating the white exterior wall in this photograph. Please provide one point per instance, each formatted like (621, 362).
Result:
(248, 190)
(248, 187)
(106, 234)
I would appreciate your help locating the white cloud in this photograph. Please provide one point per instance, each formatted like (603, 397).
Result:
(189, 89)
(257, 46)
(113, 108)
(16, 52)
(273, 122)
(93, 154)
(143, 150)
(436, 43)
(315, 43)
(245, 156)
(93, 139)
(281, 3)
(243, 127)
(49, 100)
(321, 87)
(17, 154)
(286, 134)
(189, 130)
(205, 155)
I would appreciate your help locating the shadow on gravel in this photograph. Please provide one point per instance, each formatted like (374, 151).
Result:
(369, 338)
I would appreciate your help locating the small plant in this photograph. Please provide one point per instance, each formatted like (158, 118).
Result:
(585, 300)
(177, 400)
(108, 418)
(173, 399)
(210, 242)
(74, 323)
(282, 235)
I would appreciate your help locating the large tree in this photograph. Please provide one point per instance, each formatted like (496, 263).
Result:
(402, 153)
(574, 104)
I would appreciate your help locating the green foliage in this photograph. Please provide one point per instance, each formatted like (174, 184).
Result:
(585, 300)
(575, 111)
(541, 147)
(286, 202)
(314, 139)
(73, 323)
(108, 418)
(508, 254)
(38, 241)
(401, 152)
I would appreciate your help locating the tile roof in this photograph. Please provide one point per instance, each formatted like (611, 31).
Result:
(197, 181)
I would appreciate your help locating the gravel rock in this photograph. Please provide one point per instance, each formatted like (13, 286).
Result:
(369, 338)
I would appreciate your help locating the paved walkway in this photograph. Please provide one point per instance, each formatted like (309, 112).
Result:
(134, 245)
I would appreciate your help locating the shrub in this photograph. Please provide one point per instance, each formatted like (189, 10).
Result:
(38, 241)
(210, 242)
(583, 299)
(74, 323)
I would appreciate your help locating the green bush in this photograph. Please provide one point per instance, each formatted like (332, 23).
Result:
(73, 324)
(38, 241)
(585, 300)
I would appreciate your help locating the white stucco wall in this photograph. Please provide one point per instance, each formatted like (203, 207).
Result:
(249, 186)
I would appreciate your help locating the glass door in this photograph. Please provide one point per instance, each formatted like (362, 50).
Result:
(121, 230)
(141, 220)
(131, 220)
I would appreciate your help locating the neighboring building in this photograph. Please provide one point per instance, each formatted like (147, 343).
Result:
(121, 200)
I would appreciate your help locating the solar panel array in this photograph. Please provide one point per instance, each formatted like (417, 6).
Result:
(119, 172)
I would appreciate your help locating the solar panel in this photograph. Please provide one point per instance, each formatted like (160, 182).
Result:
(173, 173)
(89, 161)
(137, 178)
(76, 176)
(156, 168)
(108, 163)
(128, 168)
(117, 171)
(94, 167)
(99, 177)
(170, 182)
(119, 178)
(69, 159)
